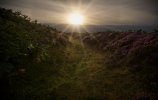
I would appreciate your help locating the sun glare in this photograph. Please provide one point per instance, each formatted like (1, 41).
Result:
(76, 19)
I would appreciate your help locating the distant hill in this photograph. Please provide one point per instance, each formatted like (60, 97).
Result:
(142, 47)
(103, 28)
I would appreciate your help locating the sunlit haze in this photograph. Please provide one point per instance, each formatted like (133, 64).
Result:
(97, 12)
(76, 19)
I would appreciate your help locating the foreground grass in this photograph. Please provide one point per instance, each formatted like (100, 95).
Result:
(75, 72)
(85, 76)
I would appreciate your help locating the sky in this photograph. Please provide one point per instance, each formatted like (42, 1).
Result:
(99, 12)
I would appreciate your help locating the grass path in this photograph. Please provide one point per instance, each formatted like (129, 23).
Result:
(79, 71)
(85, 76)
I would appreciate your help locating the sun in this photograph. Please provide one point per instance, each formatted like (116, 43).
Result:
(76, 19)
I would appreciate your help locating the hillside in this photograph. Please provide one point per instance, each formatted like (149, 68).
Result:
(102, 28)
(135, 52)
(30, 52)
(38, 62)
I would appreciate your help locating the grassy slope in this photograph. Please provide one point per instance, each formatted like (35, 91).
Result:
(136, 53)
(37, 63)
(87, 77)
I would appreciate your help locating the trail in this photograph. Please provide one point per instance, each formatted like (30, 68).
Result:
(84, 75)
(85, 58)
(81, 69)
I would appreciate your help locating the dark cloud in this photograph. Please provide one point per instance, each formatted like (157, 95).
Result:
(96, 11)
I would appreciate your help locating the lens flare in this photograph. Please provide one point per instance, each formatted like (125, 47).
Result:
(76, 19)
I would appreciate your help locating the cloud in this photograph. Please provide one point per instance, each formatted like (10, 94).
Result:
(97, 11)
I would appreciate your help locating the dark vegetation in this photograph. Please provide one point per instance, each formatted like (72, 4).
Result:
(38, 62)
(136, 52)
